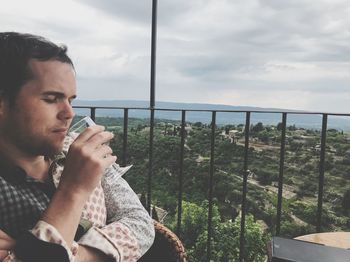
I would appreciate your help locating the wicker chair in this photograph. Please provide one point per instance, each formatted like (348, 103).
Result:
(167, 247)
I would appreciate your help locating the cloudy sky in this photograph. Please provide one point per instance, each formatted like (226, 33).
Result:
(291, 54)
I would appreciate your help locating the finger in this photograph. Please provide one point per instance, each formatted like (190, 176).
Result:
(89, 132)
(109, 160)
(100, 138)
(3, 254)
(103, 150)
(7, 244)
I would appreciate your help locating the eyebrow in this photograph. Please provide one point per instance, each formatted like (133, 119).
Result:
(57, 94)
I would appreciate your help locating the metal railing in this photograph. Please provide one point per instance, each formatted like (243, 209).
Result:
(245, 166)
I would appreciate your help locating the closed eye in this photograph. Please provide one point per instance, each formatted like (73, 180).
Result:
(51, 100)
(56, 97)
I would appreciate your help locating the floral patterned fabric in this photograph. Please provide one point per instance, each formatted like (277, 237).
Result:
(121, 227)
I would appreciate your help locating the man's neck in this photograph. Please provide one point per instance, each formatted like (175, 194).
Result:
(35, 166)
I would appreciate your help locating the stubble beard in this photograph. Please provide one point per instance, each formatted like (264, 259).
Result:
(37, 145)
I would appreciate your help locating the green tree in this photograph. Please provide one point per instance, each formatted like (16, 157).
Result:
(258, 127)
(264, 136)
(226, 242)
(225, 236)
(266, 177)
(346, 201)
(194, 221)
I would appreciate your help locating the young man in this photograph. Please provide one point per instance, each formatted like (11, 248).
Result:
(45, 195)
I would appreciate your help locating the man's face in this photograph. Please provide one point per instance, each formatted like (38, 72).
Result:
(38, 121)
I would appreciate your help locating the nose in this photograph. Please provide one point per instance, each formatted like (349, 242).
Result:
(66, 112)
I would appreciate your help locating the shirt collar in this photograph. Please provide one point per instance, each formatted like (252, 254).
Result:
(13, 174)
(16, 175)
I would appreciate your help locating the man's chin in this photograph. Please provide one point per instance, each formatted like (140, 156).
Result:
(53, 151)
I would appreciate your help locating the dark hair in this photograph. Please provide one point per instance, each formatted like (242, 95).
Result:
(16, 49)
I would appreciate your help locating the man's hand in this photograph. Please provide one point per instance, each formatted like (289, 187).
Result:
(88, 254)
(6, 244)
(87, 158)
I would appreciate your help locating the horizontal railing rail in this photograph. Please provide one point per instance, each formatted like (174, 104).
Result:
(216, 110)
(245, 166)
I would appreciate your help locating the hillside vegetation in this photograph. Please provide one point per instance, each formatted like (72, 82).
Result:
(301, 172)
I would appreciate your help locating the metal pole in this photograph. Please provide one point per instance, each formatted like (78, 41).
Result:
(182, 152)
(125, 137)
(152, 99)
(93, 113)
(153, 52)
(244, 189)
(211, 175)
(321, 175)
(150, 170)
(280, 177)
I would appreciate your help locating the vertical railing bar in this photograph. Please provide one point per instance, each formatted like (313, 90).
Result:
(244, 190)
(211, 175)
(150, 168)
(280, 177)
(152, 99)
(125, 136)
(93, 113)
(153, 52)
(182, 147)
(321, 175)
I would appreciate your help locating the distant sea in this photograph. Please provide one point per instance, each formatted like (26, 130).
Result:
(137, 110)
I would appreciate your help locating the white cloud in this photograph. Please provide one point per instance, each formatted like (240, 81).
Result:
(269, 53)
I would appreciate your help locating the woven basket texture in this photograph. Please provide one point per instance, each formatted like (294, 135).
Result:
(167, 247)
